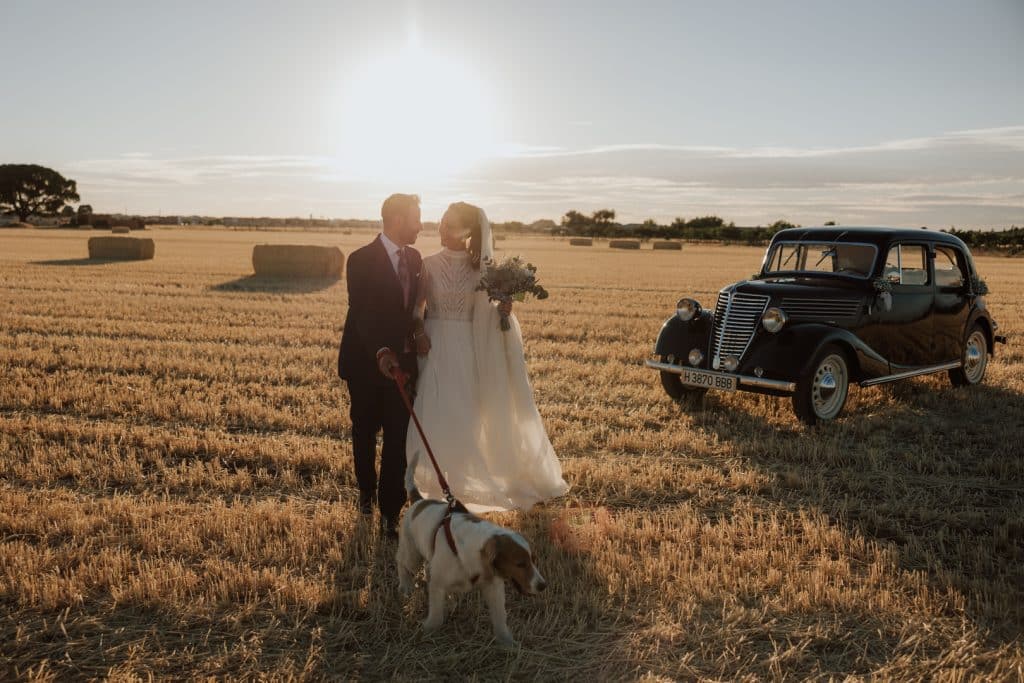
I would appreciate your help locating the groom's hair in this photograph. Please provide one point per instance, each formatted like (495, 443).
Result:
(397, 206)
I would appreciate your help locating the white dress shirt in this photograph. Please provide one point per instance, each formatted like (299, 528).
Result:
(392, 250)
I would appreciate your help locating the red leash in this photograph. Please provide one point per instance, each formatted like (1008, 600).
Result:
(401, 377)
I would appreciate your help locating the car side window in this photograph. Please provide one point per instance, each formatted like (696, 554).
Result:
(948, 272)
(906, 264)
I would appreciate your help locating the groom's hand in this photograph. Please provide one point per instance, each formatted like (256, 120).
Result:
(505, 308)
(387, 362)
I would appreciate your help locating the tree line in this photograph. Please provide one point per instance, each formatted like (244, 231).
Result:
(1010, 240)
(601, 223)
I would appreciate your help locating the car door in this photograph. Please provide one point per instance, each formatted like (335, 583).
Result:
(903, 332)
(949, 267)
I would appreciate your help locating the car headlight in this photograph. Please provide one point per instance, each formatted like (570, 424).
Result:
(774, 319)
(687, 309)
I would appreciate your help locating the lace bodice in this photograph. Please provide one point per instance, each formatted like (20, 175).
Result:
(451, 285)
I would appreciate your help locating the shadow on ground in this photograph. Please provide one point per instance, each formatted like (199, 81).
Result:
(933, 473)
(283, 285)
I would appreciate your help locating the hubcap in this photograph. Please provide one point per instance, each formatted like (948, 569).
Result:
(828, 393)
(975, 357)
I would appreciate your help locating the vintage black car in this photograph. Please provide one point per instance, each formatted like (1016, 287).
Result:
(831, 306)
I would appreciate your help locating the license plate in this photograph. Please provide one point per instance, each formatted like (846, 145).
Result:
(708, 380)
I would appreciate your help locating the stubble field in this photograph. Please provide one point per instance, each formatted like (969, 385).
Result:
(177, 497)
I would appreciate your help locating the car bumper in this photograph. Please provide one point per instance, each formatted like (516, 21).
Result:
(741, 380)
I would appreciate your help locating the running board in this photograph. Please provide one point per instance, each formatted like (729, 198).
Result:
(952, 365)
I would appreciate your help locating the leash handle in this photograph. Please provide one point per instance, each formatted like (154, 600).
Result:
(401, 377)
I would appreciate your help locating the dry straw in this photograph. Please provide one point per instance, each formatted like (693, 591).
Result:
(581, 242)
(624, 244)
(121, 248)
(676, 246)
(297, 260)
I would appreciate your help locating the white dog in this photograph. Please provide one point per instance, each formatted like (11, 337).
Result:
(487, 556)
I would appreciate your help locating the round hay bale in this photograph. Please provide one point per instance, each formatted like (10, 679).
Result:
(624, 244)
(297, 261)
(676, 246)
(121, 248)
(581, 242)
(120, 230)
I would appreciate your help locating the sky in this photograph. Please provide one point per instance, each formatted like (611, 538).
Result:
(903, 112)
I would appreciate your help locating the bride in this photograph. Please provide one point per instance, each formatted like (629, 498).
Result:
(473, 396)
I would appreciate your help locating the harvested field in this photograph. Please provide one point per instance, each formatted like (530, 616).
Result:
(177, 497)
(121, 248)
(297, 260)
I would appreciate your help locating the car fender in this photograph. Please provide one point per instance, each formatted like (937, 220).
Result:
(677, 337)
(981, 315)
(796, 346)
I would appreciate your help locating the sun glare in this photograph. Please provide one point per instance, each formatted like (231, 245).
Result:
(412, 116)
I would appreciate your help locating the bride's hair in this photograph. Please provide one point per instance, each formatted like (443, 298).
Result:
(466, 218)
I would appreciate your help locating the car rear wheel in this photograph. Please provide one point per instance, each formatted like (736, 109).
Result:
(821, 393)
(974, 361)
(675, 388)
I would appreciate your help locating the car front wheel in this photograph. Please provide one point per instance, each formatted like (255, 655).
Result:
(821, 393)
(974, 361)
(675, 388)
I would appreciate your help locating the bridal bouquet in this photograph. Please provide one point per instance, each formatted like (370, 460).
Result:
(510, 280)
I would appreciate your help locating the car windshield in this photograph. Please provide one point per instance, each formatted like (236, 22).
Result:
(821, 257)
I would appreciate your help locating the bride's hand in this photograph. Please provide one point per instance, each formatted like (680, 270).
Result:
(505, 308)
(422, 343)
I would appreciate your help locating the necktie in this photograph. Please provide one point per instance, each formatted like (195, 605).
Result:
(403, 275)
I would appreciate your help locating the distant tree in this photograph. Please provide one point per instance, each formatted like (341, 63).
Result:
(575, 223)
(28, 189)
(603, 216)
(730, 232)
(705, 222)
(830, 222)
(781, 225)
(84, 210)
(650, 228)
(67, 211)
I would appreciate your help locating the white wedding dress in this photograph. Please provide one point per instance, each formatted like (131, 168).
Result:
(475, 402)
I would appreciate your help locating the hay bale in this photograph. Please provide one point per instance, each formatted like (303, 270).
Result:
(676, 246)
(297, 260)
(121, 248)
(120, 230)
(624, 244)
(581, 242)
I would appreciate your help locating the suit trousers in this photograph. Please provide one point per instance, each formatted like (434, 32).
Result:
(377, 408)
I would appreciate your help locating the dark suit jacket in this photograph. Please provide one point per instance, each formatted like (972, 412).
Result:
(377, 316)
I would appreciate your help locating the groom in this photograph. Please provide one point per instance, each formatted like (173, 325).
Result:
(383, 278)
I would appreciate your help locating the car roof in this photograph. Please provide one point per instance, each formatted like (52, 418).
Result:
(871, 235)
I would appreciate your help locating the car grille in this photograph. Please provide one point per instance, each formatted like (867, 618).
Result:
(820, 309)
(736, 317)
